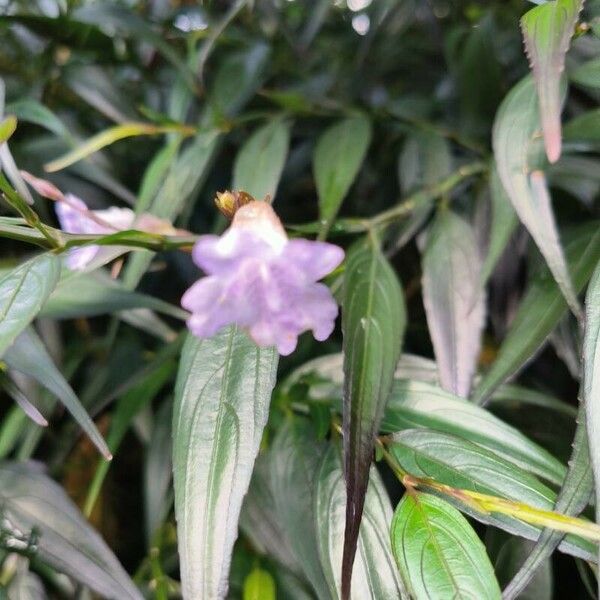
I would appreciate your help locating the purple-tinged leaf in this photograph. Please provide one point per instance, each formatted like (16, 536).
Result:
(518, 160)
(454, 301)
(547, 32)
(373, 322)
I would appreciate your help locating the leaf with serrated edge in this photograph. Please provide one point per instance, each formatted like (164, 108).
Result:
(373, 322)
(23, 292)
(547, 32)
(540, 311)
(65, 540)
(438, 552)
(514, 131)
(591, 377)
(374, 574)
(221, 406)
(454, 301)
(572, 499)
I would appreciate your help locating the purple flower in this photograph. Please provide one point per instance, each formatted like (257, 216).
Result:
(263, 282)
(75, 217)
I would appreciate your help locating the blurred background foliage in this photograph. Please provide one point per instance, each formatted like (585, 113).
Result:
(430, 76)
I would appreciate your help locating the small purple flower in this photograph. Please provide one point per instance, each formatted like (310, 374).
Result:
(75, 217)
(262, 281)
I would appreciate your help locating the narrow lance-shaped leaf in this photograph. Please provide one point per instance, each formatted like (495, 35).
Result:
(518, 162)
(32, 502)
(260, 161)
(338, 156)
(29, 356)
(547, 31)
(454, 300)
(23, 292)
(540, 311)
(222, 401)
(572, 499)
(591, 378)
(294, 460)
(375, 575)
(438, 552)
(503, 224)
(373, 322)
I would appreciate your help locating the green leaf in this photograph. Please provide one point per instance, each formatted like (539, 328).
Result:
(518, 162)
(259, 519)
(259, 585)
(222, 401)
(128, 406)
(32, 111)
(33, 504)
(419, 404)
(29, 356)
(438, 552)
(462, 464)
(126, 22)
(93, 294)
(373, 322)
(294, 462)
(425, 160)
(587, 74)
(584, 130)
(23, 292)
(374, 574)
(504, 223)
(260, 161)
(338, 156)
(540, 311)
(591, 377)
(572, 499)
(547, 31)
(454, 301)
(158, 495)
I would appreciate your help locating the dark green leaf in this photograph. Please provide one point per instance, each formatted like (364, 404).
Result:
(221, 406)
(373, 322)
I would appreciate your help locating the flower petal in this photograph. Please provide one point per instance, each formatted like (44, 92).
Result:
(313, 259)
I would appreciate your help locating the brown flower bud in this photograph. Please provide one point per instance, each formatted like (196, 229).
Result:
(229, 202)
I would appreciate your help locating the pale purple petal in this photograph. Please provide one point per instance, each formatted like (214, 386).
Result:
(314, 259)
(267, 288)
(219, 255)
(72, 215)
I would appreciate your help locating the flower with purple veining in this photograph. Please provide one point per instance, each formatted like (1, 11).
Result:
(260, 280)
(75, 217)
